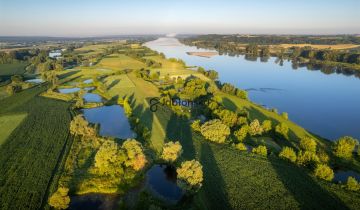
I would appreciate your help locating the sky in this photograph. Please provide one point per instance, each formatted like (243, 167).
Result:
(118, 17)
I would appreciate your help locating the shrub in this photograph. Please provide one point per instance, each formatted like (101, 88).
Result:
(171, 151)
(127, 107)
(242, 121)
(13, 88)
(308, 144)
(282, 129)
(285, 115)
(267, 125)
(323, 157)
(323, 171)
(241, 146)
(242, 133)
(307, 158)
(196, 125)
(190, 175)
(228, 117)
(260, 150)
(255, 128)
(60, 199)
(215, 130)
(288, 153)
(352, 184)
(344, 147)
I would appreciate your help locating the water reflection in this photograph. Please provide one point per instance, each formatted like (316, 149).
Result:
(161, 181)
(112, 120)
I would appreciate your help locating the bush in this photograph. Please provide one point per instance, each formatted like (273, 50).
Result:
(190, 175)
(282, 129)
(267, 125)
(171, 151)
(352, 184)
(241, 146)
(307, 158)
(308, 144)
(215, 130)
(260, 150)
(60, 199)
(13, 88)
(288, 153)
(196, 125)
(242, 121)
(323, 171)
(242, 133)
(323, 157)
(344, 147)
(255, 128)
(136, 158)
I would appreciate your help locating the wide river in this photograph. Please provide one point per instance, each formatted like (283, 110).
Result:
(325, 104)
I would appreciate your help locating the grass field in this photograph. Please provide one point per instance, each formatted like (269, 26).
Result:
(119, 62)
(12, 69)
(30, 154)
(8, 123)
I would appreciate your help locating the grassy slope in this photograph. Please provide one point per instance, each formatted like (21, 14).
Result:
(119, 62)
(12, 69)
(8, 123)
(30, 154)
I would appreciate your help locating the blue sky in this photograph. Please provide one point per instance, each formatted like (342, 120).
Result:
(111, 17)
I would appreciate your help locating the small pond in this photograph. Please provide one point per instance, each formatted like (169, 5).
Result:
(37, 81)
(342, 176)
(112, 120)
(89, 88)
(94, 201)
(161, 182)
(92, 98)
(68, 90)
(88, 81)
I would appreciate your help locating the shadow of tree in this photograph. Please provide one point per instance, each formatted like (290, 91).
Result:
(306, 191)
(212, 176)
(113, 83)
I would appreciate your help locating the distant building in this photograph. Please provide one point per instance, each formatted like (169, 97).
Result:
(55, 53)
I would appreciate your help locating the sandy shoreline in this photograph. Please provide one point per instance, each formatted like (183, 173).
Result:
(203, 54)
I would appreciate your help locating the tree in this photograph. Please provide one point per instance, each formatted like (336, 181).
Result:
(190, 175)
(79, 126)
(288, 153)
(282, 129)
(127, 107)
(352, 184)
(344, 147)
(60, 199)
(196, 125)
(255, 128)
(109, 158)
(266, 125)
(323, 171)
(308, 144)
(136, 158)
(260, 150)
(242, 133)
(16, 78)
(215, 130)
(13, 88)
(171, 151)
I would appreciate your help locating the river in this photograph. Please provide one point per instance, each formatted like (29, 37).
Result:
(327, 104)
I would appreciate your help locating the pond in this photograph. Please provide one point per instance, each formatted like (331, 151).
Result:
(92, 98)
(37, 81)
(161, 182)
(342, 176)
(68, 90)
(88, 81)
(112, 120)
(325, 102)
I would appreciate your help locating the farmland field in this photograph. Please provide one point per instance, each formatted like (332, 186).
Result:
(30, 153)
(8, 123)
